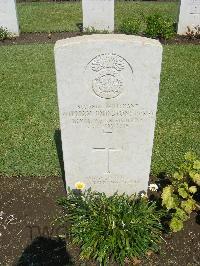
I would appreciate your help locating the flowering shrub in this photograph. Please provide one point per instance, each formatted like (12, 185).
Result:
(130, 26)
(118, 227)
(159, 26)
(178, 197)
(122, 227)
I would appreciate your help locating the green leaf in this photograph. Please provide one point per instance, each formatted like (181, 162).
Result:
(188, 205)
(181, 214)
(178, 175)
(176, 224)
(127, 244)
(183, 193)
(168, 199)
(195, 177)
(196, 165)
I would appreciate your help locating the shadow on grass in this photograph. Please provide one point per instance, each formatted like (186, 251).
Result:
(45, 251)
(58, 141)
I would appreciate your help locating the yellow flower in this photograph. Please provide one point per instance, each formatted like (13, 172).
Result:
(79, 185)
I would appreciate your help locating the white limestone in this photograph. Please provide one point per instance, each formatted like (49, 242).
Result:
(107, 93)
(8, 16)
(98, 15)
(189, 16)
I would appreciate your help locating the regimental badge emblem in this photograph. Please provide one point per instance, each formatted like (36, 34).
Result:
(107, 68)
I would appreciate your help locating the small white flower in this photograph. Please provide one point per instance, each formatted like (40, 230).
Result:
(153, 187)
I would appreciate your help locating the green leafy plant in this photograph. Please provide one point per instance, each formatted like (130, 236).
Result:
(4, 34)
(158, 26)
(130, 26)
(111, 228)
(178, 197)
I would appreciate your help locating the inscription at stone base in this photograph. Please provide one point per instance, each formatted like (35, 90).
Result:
(109, 179)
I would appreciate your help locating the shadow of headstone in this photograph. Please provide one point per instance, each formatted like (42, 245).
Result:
(45, 251)
(58, 142)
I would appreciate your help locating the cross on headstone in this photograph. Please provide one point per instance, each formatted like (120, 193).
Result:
(108, 150)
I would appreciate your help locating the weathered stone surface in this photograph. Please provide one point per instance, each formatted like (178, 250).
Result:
(8, 16)
(98, 15)
(107, 92)
(189, 16)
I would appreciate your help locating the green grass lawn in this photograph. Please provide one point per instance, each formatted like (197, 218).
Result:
(45, 17)
(29, 112)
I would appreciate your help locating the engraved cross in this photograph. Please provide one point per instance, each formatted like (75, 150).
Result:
(108, 151)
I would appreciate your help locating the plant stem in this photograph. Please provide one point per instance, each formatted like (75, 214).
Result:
(197, 205)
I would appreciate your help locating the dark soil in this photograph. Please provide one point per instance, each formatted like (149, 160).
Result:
(28, 38)
(28, 236)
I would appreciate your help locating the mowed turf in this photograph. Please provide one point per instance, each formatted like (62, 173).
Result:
(29, 112)
(51, 17)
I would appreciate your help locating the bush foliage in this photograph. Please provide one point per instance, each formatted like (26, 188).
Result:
(159, 26)
(112, 228)
(130, 26)
(178, 197)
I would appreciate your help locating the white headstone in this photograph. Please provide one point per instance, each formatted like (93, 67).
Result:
(8, 16)
(189, 15)
(107, 93)
(98, 15)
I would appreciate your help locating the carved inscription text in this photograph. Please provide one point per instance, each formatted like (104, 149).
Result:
(112, 116)
(194, 7)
